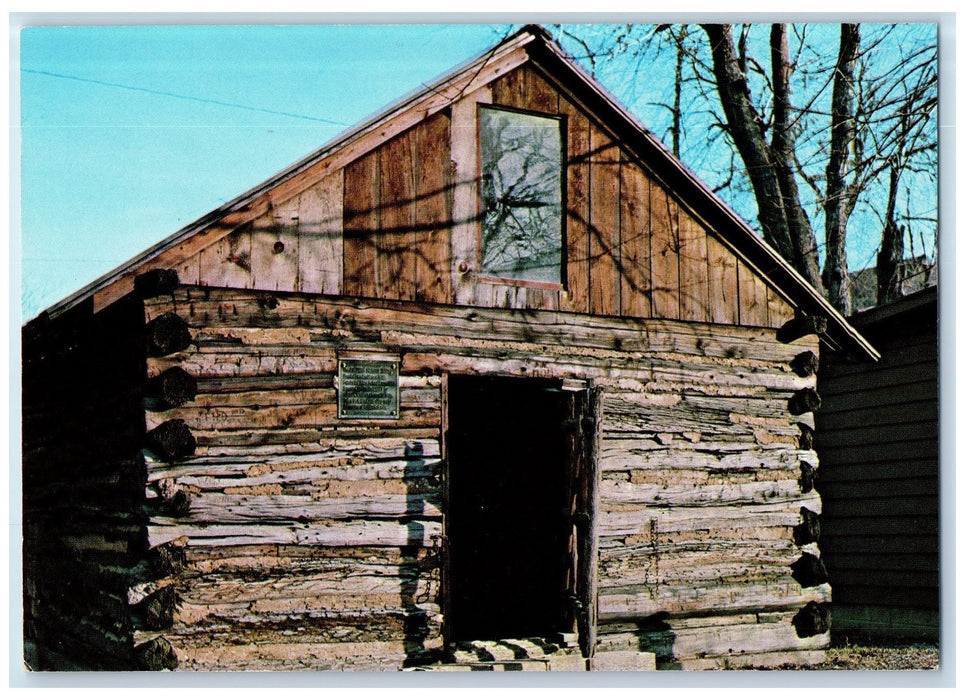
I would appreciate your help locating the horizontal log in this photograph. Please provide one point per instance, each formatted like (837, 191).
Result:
(777, 660)
(631, 453)
(167, 334)
(805, 364)
(279, 508)
(243, 418)
(173, 387)
(628, 602)
(171, 440)
(613, 495)
(800, 326)
(236, 308)
(715, 636)
(156, 655)
(653, 519)
(266, 362)
(804, 401)
(331, 626)
(358, 656)
(333, 534)
(813, 619)
(693, 569)
(408, 584)
(809, 530)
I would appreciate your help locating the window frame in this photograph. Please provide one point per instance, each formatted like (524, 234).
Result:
(482, 276)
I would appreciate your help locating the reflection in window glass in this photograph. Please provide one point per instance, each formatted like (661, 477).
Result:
(521, 196)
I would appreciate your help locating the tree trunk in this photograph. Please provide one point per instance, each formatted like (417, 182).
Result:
(746, 130)
(837, 200)
(801, 234)
(769, 167)
(888, 264)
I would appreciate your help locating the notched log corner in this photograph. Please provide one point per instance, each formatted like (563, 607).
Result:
(809, 529)
(804, 401)
(806, 439)
(809, 571)
(813, 619)
(800, 326)
(808, 473)
(157, 282)
(174, 387)
(169, 558)
(157, 610)
(167, 334)
(172, 441)
(805, 364)
(156, 655)
(178, 505)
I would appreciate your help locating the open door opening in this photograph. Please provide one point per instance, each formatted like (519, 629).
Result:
(510, 521)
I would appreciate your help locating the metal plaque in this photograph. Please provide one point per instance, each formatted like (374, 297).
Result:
(368, 389)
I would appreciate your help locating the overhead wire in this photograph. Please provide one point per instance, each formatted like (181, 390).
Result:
(164, 93)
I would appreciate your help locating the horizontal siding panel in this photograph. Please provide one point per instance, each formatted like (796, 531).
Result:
(912, 354)
(880, 507)
(917, 598)
(834, 487)
(908, 542)
(878, 452)
(898, 526)
(914, 467)
(896, 376)
(901, 412)
(880, 561)
(898, 431)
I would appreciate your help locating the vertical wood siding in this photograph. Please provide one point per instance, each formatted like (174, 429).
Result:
(402, 222)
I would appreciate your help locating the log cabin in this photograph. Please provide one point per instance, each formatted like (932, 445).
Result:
(492, 381)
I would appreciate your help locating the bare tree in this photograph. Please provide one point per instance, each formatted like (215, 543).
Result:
(808, 139)
(839, 195)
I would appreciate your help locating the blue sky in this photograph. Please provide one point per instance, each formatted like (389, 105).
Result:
(130, 133)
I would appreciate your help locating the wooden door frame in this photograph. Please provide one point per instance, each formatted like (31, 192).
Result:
(585, 566)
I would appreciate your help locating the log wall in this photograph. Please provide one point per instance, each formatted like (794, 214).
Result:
(83, 483)
(306, 541)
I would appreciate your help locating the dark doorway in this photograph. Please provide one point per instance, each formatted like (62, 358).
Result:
(508, 520)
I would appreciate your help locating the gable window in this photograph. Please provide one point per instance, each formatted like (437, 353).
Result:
(522, 208)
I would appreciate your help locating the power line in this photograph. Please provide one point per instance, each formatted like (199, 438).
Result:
(181, 97)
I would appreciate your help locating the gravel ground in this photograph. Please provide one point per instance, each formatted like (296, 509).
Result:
(891, 657)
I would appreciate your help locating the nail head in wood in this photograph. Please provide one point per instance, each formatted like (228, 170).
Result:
(167, 334)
